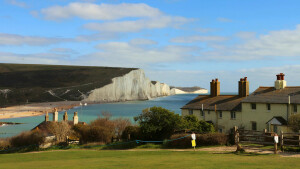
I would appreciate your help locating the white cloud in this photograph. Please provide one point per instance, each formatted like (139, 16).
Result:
(100, 12)
(17, 3)
(141, 41)
(273, 45)
(245, 35)
(191, 39)
(13, 39)
(224, 19)
(63, 50)
(229, 79)
(123, 54)
(137, 25)
(37, 58)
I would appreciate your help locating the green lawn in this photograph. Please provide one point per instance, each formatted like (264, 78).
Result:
(143, 159)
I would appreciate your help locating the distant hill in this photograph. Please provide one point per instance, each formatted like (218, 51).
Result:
(22, 83)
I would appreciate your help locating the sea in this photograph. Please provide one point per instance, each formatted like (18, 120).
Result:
(88, 113)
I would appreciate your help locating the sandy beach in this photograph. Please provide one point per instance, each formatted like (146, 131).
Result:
(35, 109)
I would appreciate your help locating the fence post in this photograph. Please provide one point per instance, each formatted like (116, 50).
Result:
(236, 139)
(299, 137)
(281, 141)
(275, 143)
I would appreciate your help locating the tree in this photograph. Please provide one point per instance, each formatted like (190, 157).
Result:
(158, 123)
(193, 124)
(60, 129)
(294, 122)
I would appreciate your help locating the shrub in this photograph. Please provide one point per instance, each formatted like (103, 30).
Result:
(133, 131)
(100, 130)
(4, 144)
(60, 129)
(193, 124)
(294, 122)
(201, 140)
(120, 125)
(158, 123)
(28, 138)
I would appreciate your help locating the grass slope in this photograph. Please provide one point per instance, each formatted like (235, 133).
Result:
(31, 82)
(143, 159)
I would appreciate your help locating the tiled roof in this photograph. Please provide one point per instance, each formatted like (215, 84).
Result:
(271, 95)
(280, 119)
(223, 102)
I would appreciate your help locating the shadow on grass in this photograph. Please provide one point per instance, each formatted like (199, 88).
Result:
(245, 153)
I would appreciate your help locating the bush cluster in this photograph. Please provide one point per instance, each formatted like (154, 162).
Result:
(103, 129)
(4, 144)
(29, 138)
(201, 140)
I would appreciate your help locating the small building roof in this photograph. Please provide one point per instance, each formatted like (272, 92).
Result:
(223, 102)
(277, 119)
(271, 95)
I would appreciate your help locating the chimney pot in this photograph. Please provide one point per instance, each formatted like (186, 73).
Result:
(217, 79)
(245, 78)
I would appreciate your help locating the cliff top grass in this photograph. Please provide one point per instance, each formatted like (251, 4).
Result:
(31, 83)
(144, 159)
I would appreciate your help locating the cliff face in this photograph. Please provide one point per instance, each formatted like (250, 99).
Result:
(131, 86)
(186, 90)
(23, 83)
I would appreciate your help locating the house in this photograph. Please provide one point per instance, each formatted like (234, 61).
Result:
(270, 107)
(45, 127)
(266, 108)
(224, 111)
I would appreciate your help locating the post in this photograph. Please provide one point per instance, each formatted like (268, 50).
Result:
(235, 135)
(281, 141)
(275, 148)
(299, 137)
(275, 143)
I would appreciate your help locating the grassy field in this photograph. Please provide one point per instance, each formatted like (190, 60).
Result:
(143, 159)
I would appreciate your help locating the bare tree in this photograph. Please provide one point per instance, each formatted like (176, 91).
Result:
(60, 129)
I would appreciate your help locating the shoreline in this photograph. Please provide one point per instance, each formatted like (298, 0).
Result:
(36, 109)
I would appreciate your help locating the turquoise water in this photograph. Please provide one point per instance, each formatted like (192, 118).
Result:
(91, 112)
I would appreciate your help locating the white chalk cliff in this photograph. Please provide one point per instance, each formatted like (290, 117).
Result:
(178, 91)
(131, 86)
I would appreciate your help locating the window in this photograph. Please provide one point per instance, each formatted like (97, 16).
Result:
(295, 108)
(208, 111)
(220, 114)
(254, 127)
(190, 112)
(268, 106)
(202, 112)
(253, 106)
(232, 115)
(220, 130)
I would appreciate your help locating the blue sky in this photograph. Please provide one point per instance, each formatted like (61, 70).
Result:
(179, 42)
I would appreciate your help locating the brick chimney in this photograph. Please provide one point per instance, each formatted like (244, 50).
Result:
(215, 87)
(212, 88)
(75, 118)
(243, 87)
(280, 83)
(65, 117)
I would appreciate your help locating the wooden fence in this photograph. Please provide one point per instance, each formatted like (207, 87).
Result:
(266, 138)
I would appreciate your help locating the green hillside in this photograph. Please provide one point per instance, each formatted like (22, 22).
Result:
(22, 83)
